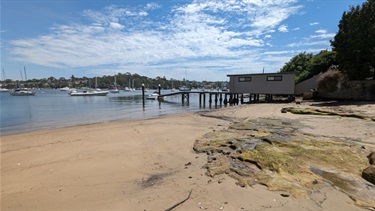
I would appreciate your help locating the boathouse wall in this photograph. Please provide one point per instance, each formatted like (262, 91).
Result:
(267, 83)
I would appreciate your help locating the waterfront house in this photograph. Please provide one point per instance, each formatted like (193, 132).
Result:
(264, 83)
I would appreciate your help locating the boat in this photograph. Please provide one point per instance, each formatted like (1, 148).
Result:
(173, 89)
(155, 96)
(22, 92)
(3, 89)
(65, 89)
(89, 92)
(114, 90)
(3, 77)
(184, 89)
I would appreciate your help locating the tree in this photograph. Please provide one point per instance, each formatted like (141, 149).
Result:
(298, 63)
(355, 41)
(308, 65)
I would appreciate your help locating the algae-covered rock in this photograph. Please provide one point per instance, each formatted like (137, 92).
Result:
(272, 152)
(314, 111)
(369, 174)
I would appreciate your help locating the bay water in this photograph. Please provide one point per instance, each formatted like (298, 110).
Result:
(55, 109)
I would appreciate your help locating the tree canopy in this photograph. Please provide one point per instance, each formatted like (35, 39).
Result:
(308, 65)
(355, 41)
(298, 63)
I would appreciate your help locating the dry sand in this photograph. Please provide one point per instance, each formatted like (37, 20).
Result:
(149, 165)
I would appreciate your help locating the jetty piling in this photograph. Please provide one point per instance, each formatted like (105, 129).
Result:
(143, 95)
(216, 98)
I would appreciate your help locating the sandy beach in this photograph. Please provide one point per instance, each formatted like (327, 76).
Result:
(151, 165)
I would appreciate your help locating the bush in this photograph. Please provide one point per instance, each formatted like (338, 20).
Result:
(330, 80)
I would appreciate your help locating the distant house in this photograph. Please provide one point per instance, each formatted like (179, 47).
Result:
(266, 83)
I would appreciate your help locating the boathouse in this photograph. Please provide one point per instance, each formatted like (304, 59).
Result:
(264, 83)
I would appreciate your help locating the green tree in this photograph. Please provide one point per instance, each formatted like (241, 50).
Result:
(308, 65)
(322, 61)
(355, 41)
(298, 63)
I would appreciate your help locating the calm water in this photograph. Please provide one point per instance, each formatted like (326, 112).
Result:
(55, 108)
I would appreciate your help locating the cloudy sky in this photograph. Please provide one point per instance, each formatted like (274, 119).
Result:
(196, 39)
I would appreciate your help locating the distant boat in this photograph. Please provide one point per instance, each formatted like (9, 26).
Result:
(114, 90)
(89, 92)
(65, 89)
(22, 92)
(3, 77)
(184, 89)
(155, 96)
(173, 89)
(4, 89)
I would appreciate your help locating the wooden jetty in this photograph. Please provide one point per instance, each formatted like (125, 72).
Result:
(218, 98)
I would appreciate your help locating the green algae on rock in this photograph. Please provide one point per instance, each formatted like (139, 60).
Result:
(314, 111)
(274, 153)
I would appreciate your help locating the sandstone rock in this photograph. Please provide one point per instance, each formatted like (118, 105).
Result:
(369, 174)
(371, 158)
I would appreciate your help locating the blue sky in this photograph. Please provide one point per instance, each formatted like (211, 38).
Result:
(207, 39)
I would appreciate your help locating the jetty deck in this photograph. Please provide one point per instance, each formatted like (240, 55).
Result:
(216, 97)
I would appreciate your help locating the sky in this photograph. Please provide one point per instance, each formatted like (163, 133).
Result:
(192, 39)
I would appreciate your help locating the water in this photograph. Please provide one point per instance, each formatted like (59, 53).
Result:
(55, 109)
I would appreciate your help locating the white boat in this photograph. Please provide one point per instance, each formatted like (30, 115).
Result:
(22, 92)
(184, 89)
(3, 78)
(155, 96)
(114, 90)
(65, 89)
(4, 89)
(89, 92)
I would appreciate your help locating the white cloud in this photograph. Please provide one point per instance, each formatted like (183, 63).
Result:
(283, 28)
(267, 36)
(199, 35)
(314, 23)
(296, 29)
(116, 25)
(321, 31)
(323, 35)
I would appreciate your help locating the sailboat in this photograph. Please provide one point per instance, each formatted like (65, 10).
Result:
(173, 89)
(114, 90)
(89, 92)
(22, 91)
(3, 77)
(185, 87)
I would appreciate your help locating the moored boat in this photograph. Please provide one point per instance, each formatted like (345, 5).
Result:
(4, 89)
(22, 92)
(89, 92)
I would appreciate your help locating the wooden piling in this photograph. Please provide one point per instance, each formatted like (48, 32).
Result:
(143, 95)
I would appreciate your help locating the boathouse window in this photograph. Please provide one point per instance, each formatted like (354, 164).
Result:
(244, 79)
(274, 78)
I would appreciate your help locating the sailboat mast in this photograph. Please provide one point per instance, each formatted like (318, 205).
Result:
(3, 77)
(24, 69)
(21, 74)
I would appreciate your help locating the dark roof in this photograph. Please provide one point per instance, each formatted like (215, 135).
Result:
(284, 73)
